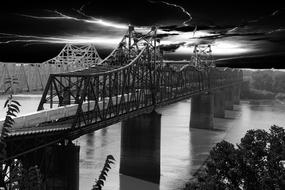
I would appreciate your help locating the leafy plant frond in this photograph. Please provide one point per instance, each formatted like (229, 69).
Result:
(102, 177)
(6, 103)
(11, 113)
(16, 102)
(12, 110)
(15, 107)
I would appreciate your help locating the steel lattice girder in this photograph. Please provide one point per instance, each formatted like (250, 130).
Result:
(33, 76)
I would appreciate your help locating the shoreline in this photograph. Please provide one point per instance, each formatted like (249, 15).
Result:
(230, 114)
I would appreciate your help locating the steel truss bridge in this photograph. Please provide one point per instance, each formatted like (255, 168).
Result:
(29, 77)
(131, 81)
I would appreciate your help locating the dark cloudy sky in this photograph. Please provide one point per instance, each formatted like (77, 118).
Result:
(253, 33)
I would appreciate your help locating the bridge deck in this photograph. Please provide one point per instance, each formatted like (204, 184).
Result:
(91, 70)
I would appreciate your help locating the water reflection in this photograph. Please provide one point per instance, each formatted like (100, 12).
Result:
(131, 183)
(104, 134)
(140, 147)
(90, 139)
(201, 142)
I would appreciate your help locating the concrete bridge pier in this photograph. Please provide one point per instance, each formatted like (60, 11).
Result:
(202, 111)
(229, 98)
(140, 147)
(62, 168)
(219, 104)
(58, 164)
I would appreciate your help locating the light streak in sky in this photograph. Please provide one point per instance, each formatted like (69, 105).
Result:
(109, 41)
(182, 9)
(84, 5)
(228, 47)
(90, 20)
(276, 30)
(179, 7)
(233, 29)
(99, 40)
(275, 12)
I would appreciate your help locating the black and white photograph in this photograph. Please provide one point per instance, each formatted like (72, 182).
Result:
(142, 95)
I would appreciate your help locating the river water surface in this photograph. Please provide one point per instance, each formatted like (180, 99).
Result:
(182, 150)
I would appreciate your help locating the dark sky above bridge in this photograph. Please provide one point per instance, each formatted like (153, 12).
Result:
(33, 31)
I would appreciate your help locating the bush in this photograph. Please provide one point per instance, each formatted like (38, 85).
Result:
(252, 164)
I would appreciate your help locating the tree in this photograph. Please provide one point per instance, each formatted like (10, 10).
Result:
(262, 80)
(252, 164)
(279, 82)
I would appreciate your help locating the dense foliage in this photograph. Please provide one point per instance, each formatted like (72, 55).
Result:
(263, 84)
(254, 164)
(273, 81)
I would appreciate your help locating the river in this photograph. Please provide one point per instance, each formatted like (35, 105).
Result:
(182, 150)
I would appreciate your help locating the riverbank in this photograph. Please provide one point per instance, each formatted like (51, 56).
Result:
(250, 91)
(255, 95)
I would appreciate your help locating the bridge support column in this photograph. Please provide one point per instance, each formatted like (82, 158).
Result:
(202, 111)
(219, 104)
(140, 147)
(62, 167)
(229, 98)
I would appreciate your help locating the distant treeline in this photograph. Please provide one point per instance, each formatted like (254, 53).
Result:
(269, 80)
(264, 84)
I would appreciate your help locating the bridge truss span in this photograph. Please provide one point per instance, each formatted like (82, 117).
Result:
(28, 77)
(130, 81)
(119, 83)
